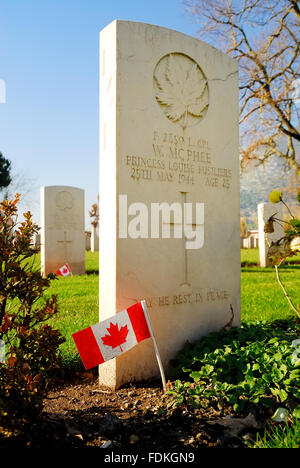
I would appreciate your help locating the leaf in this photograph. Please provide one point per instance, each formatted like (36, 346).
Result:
(296, 412)
(280, 415)
(167, 96)
(11, 361)
(116, 336)
(182, 90)
(195, 375)
(175, 73)
(178, 385)
(295, 223)
(207, 370)
(283, 395)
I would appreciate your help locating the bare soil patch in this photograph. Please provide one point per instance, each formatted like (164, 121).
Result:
(136, 417)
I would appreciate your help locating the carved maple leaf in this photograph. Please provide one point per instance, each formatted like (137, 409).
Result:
(182, 90)
(115, 336)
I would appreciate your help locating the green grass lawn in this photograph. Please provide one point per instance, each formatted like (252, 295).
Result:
(78, 305)
(261, 297)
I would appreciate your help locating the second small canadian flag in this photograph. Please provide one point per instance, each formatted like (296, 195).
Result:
(64, 270)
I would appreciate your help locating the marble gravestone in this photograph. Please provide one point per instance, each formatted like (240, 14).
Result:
(87, 240)
(94, 239)
(62, 229)
(168, 138)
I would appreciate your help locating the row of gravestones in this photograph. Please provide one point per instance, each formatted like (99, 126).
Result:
(168, 135)
(63, 239)
(91, 240)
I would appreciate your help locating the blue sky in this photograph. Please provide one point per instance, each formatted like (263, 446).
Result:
(49, 62)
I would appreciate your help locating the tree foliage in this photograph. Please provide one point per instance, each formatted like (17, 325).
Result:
(5, 167)
(263, 36)
(94, 214)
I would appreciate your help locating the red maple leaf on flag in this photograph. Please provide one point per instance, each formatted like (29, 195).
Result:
(116, 336)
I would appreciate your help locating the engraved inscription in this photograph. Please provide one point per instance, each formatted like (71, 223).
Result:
(178, 159)
(181, 89)
(201, 295)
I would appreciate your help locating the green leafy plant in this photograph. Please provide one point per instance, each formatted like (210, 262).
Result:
(32, 355)
(250, 369)
(286, 246)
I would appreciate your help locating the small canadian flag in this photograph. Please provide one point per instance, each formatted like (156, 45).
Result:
(64, 270)
(112, 337)
(115, 336)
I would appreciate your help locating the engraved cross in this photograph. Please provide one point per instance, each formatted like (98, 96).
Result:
(180, 229)
(65, 243)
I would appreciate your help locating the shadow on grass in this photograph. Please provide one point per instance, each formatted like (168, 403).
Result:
(248, 269)
(92, 272)
(257, 269)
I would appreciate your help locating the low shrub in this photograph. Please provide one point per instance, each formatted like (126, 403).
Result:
(253, 368)
(32, 356)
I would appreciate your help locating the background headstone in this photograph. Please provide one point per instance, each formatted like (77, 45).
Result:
(246, 243)
(87, 240)
(94, 239)
(251, 242)
(36, 240)
(62, 229)
(265, 211)
(168, 133)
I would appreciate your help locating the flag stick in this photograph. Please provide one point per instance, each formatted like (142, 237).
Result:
(161, 369)
(70, 269)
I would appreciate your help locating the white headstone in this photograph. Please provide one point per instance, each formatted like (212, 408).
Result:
(168, 134)
(265, 211)
(62, 229)
(246, 243)
(94, 239)
(36, 240)
(87, 240)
